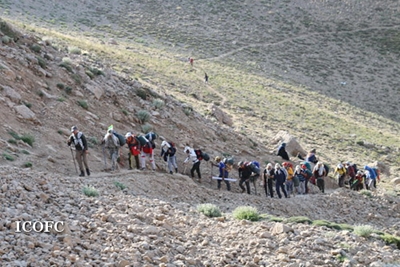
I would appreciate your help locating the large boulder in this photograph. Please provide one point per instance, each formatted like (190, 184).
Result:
(220, 115)
(293, 147)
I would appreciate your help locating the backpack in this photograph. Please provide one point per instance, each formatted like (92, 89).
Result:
(121, 138)
(228, 161)
(151, 136)
(254, 166)
(201, 155)
(142, 140)
(326, 169)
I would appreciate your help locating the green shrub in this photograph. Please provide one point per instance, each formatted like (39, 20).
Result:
(124, 111)
(12, 141)
(146, 128)
(363, 230)
(299, 219)
(74, 50)
(90, 74)
(61, 99)
(96, 71)
(210, 210)
(40, 93)
(271, 218)
(77, 78)
(60, 86)
(158, 103)
(26, 152)
(61, 132)
(366, 193)
(391, 239)
(28, 105)
(27, 138)
(143, 116)
(120, 185)
(42, 63)
(83, 104)
(246, 213)
(5, 39)
(90, 191)
(68, 90)
(187, 110)
(66, 65)
(14, 134)
(321, 223)
(27, 165)
(142, 94)
(8, 157)
(36, 48)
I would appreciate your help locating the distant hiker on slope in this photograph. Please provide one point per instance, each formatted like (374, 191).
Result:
(311, 157)
(319, 173)
(191, 156)
(205, 78)
(282, 152)
(134, 150)
(168, 152)
(248, 171)
(112, 144)
(81, 149)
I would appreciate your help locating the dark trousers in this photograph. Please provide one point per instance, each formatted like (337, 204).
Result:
(306, 185)
(341, 180)
(268, 184)
(321, 184)
(228, 184)
(195, 167)
(247, 182)
(279, 186)
(136, 160)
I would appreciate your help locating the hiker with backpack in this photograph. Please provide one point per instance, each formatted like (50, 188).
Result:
(282, 152)
(319, 173)
(371, 177)
(299, 179)
(289, 179)
(81, 149)
(280, 179)
(245, 174)
(146, 152)
(134, 150)
(307, 173)
(268, 180)
(112, 144)
(311, 157)
(351, 172)
(168, 153)
(193, 157)
(358, 183)
(341, 172)
(223, 172)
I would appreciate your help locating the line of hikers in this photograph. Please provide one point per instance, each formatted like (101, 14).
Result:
(287, 179)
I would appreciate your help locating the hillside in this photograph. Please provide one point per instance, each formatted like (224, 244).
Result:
(93, 64)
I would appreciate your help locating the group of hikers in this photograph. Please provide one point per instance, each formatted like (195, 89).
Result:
(274, 178)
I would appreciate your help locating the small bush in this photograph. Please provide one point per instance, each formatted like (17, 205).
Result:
(14, 134)
(26, 152)
(363, 230)
(74, 50)
(246, 213)
(83, 104)
(124, 111)
(12, 141)
(27, 165)
(42, 62)
(271, 218)
(66, 66)
(68, 90)
(210, 210)
(77, 78)
(187, 110)
(90, 191)
(142, 94)
(60, 132)
(146, 128)
(36, 48)
(119, 185)
(40, 93)
(143, 116)
(391, 239)
(366, 193)
(8, 157)
(61, 99)
(158, 103)
(321, 223)
(60, 86)
(90, 74)
(299, 219)
(28, 105)
(5, 39)
(96, 71)
(27, 138)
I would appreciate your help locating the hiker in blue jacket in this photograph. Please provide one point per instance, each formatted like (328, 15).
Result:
(371, 177)
(280, 179)
(282, 152)
(223, 172)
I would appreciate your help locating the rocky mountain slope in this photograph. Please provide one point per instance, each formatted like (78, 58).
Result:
(46, 88)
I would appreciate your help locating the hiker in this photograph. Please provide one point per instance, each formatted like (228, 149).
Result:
(319, 173)
(168, 153)
(358, 183)
(341, 171)
(81, 149)
(280, 178)
(371, 177)
(299, 179)
(311, 157)
(191, 156)
(112, 144)
(191, 61)
(307, 175)
(351, 171)
(223, 172)
(134, 150)
(268, 180)
(245, 172)
(205, 77)
(289, 178)
(147, 152)
(282, 152)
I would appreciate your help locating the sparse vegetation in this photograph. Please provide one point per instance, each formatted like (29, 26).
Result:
(363, 230)
(8, 157)
(28, 105)
(143, 116)
(68, 90)
(60, 86)
(36, 48)
(246, 213)
(12, 141)
(141, 93)
(27, 165)
(299, 219)
(26, 152)
(210, 210)
(74, 50)
(158, 103)
(83, 104)
(90, 191)
(119, 185)
(27, 138)
(366, 193)
(42, 62)
(146, 128)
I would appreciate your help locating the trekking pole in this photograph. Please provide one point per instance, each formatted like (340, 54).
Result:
(73, 158)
